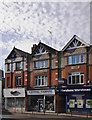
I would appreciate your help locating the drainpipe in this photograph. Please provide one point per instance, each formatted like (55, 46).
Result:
(50, 69)
(87, 66)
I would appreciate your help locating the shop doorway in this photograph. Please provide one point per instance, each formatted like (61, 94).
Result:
(40, 105)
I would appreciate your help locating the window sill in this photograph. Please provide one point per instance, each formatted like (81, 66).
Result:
(41, 86)
(76, 64)
(76, 84)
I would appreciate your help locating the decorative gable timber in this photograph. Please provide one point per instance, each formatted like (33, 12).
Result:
(14, 53)
(39, 51)
(42, 48)
(75, 42)
(17, 53)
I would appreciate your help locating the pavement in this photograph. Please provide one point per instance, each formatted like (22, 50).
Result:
(43, 116)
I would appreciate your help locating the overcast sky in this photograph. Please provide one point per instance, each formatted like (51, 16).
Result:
(24, 24)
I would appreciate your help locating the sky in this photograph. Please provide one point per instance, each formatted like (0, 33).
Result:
(23, 24)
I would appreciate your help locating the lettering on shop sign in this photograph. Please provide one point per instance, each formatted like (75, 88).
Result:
(40, 71)
(17, 72)
(75, 67)
(40, 92)
(75, 90)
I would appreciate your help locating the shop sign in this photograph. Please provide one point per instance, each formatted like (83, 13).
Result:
(75, 67)
(40, 71)
(14, 92)
(18, 72)
(73, 89)
(61, 81)
(41, 92)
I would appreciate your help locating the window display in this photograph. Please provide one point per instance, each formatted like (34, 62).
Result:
(72, 103)
(79, 103)
(89, 103)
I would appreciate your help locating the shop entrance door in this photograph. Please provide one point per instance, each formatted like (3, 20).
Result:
(40, 105)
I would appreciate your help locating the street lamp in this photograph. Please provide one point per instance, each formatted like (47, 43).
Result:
(51, 36)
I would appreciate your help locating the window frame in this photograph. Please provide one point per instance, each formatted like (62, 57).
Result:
(40, 80)
(8, 82)
(18, 68)
(75, 74)
(8, 67)
(17, 81)
(72, 60)
(41, 64)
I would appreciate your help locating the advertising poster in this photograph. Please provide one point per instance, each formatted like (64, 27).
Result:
(89, 103)
(79, 103)
(72, 103)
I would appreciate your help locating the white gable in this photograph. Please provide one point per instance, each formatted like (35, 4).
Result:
(75, 42)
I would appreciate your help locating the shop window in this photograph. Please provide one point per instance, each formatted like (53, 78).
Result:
(75, 78)
(41, 64)
(41, 80)
(15, 102)
(8, 81)
(17, 81)
(75, 59)
(18, 65)
(8, 67)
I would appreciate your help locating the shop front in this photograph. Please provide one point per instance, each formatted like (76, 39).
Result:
(77, 99)
(41, 100)
(14, 99)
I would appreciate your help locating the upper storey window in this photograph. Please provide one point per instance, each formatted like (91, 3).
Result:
(41, 64)
(8, 67)
(18, 65)
(75, 59)
(75, 78)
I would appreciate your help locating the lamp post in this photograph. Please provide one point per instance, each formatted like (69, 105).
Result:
(51, 36)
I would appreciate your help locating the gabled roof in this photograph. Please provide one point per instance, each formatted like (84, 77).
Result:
(46, 47)
(19, 52)
(75, 42)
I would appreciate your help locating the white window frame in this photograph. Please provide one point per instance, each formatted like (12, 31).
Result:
(41, 64)
(72, 74)
(37, 78)
(18, 80)
(71, 57)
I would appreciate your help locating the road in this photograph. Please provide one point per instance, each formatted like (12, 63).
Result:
(27, 116)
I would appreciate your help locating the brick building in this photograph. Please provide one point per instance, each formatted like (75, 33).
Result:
(50, 80)
(43, 78)
(75, 94)
(17, 79)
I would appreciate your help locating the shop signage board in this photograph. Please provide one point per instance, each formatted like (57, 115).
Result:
(61, 81)
(41, 92)
(14, 92)
(73, 89)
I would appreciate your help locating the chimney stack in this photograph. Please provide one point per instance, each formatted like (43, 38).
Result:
(34, 47)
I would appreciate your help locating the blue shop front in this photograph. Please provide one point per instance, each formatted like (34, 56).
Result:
(74, 99)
